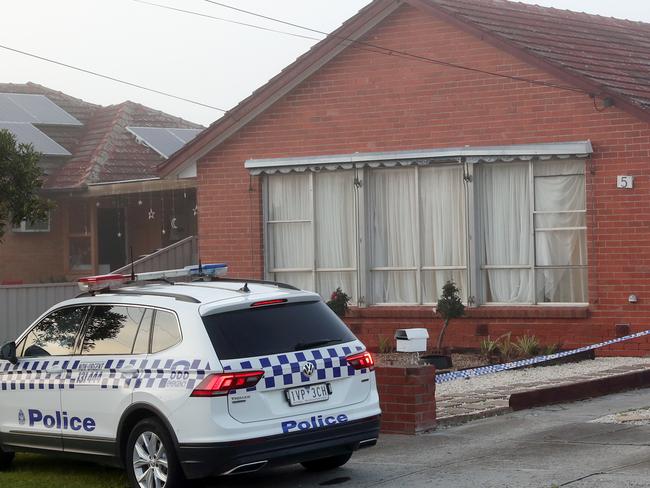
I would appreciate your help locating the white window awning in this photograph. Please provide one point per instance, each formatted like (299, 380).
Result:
(469, 154)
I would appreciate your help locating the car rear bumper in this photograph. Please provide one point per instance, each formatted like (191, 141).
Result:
(202, 460)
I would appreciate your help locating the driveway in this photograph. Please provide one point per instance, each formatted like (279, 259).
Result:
(561, 445)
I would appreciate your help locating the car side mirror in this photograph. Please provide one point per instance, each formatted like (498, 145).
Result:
(8, 352)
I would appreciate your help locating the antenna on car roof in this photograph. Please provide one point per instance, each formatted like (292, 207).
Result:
(245, 288)
(132, 264)
(200, 268)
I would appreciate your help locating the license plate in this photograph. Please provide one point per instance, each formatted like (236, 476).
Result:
(308, 394)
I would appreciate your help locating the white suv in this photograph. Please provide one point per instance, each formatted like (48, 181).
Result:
(189, 380)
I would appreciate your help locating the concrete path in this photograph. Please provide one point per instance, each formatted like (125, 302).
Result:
(571, 445)
(482, 399)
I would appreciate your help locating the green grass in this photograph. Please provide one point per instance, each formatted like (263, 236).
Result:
(36, 471)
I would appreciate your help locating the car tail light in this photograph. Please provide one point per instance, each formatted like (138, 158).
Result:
(266, 303)
(221, 383)
(362, 360)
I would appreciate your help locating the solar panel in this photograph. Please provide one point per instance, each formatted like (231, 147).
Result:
(28, 134)
(35, 109)
(165, 141)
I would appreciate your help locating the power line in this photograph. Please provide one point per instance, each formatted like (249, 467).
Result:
(199, 14)
(111, 78)
(402, 54)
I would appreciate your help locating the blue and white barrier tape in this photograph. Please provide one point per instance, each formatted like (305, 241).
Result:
(496, 368)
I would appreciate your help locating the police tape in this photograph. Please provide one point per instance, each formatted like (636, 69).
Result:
(496, 368)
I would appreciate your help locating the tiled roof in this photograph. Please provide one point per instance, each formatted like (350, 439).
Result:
(611, 54)
(102, 149)
(603, 56)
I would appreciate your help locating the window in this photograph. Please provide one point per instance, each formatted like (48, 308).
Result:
(166, 332)
(504, 232)
(55, 335)
(533, 232)
(141, 345)
(37, 226)
(112, 329)
(275, 329)
(311, 231)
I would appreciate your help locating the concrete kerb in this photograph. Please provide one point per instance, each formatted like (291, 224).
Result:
(579, 391)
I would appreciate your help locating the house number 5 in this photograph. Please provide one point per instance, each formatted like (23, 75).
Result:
(625, 182)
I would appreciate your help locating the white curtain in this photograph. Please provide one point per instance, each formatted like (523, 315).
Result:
(560, 187)
(504, 206)
(392, 229)
(442, 229)
(335, 223)
(290, 241)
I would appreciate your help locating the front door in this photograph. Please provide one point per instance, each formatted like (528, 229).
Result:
(111, 239)
(30, 410)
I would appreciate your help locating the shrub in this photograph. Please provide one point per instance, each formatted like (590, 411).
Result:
(527, 346)
(450, 306)
(385, 345)
(338, 302)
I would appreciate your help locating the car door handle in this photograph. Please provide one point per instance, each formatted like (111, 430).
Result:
(55, 370)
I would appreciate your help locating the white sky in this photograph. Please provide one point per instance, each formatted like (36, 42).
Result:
(213, 62)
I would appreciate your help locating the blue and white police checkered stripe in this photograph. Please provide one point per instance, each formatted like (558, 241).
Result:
(281, 370)
(496, 368)
(55, 374)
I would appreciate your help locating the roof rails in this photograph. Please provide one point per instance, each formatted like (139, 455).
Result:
(178, 296)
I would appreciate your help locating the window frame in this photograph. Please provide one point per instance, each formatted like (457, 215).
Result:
(474, 268)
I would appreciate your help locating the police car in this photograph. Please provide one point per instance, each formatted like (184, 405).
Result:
(184, 380)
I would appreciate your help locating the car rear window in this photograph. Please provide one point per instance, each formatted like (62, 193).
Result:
(275, 329)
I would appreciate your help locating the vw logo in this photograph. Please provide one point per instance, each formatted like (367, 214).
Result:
(308, 369)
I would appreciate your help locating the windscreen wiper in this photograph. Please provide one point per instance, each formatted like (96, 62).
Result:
(309, 345)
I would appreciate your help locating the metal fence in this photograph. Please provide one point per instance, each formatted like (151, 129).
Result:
(20, 305)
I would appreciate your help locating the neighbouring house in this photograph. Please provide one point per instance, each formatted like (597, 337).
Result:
(101, 173)
(502, 145)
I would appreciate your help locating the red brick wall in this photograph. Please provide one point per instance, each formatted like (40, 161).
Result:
(34, 257)
(408, 399)
(368, 102)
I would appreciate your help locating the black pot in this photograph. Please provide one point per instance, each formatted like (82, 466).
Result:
(440, 361)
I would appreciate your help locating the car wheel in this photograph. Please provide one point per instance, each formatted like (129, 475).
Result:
(326, 463)
(5, 459)
(150, 457)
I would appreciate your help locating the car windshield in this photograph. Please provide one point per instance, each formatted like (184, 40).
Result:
(275, 329)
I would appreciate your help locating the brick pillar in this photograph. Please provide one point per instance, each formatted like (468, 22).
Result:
(408, 399)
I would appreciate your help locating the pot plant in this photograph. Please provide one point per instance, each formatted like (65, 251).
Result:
(449, 306)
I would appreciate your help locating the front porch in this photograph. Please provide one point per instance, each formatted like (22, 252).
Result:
(112, 224)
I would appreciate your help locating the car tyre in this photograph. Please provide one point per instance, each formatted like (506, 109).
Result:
(5, 459)
(150, 458)
(328, 463)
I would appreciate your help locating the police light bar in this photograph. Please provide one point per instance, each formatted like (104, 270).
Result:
(102, 282)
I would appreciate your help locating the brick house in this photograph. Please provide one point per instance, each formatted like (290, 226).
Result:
(427, 140)
(101, 172)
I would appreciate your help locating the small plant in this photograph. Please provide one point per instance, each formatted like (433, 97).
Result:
(507, 348)
(385, 345)
(338, 302)
(550, 349)
(527, 346)
(489, 349)
(450, 306)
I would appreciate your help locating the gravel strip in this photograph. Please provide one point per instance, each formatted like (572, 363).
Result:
(540, 375)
